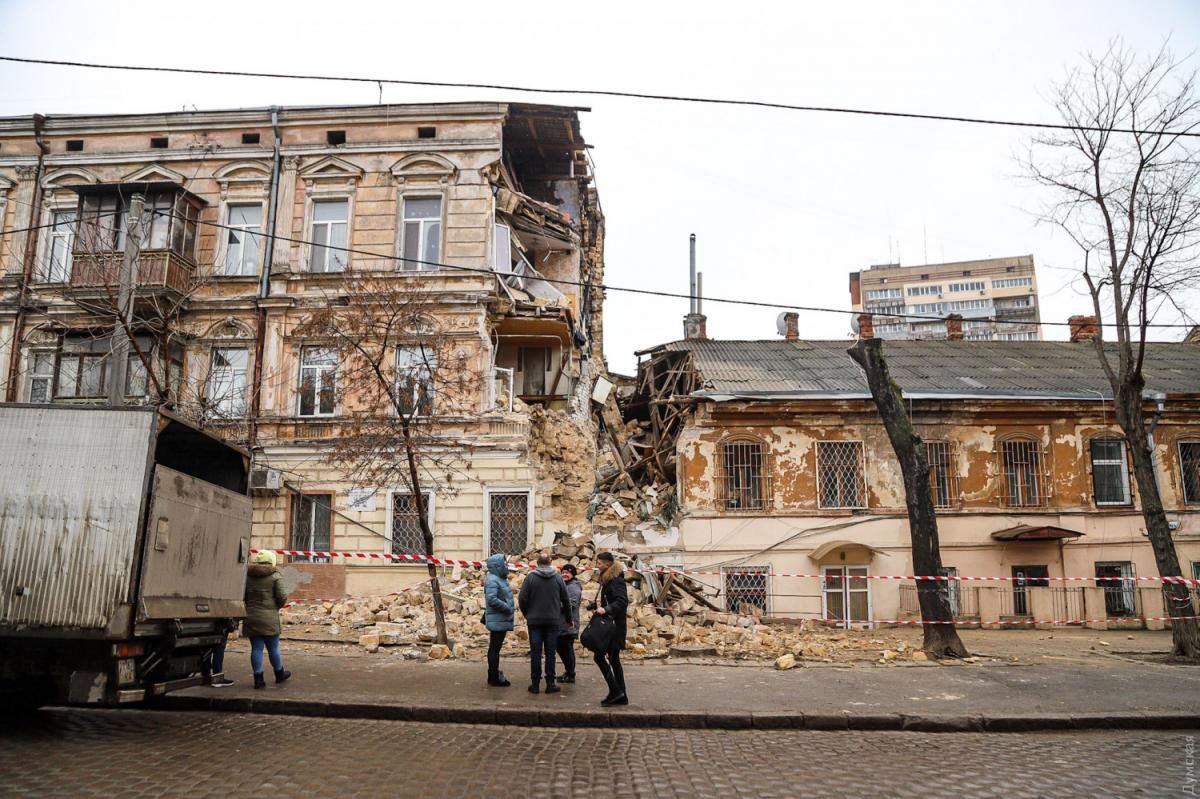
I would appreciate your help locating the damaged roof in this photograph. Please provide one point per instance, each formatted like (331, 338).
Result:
(1046, 369)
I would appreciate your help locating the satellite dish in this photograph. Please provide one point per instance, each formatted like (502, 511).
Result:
(781, 323)
(854, 323)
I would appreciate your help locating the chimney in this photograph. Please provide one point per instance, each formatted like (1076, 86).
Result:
(791, 321)
(1083, 328)
(954, 327)
(866, 327)
(695, 327)
(855, 289)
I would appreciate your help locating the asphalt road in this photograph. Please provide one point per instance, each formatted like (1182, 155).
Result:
(133, 753)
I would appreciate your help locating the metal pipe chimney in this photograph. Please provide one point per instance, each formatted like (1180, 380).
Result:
(692, 307)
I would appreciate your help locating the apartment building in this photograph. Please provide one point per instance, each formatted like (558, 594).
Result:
(997, 299)
(257, 222)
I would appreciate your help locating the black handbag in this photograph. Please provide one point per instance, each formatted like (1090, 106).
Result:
(598, 635)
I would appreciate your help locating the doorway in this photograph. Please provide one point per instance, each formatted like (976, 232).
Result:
(1025, 577)
(846, 595)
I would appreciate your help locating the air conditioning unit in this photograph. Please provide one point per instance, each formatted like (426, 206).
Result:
(266, 480)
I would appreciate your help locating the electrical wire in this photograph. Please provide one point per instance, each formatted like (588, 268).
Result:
(675, 98)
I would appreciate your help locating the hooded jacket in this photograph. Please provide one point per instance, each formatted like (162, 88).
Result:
(544, 598)
(497, 596)
(264, 597)
(575, 593)
(614, 598)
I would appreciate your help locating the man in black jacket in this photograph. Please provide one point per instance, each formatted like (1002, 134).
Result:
(547, 608)
(614, 600)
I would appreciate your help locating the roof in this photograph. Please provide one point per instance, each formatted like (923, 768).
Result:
(774, 369)
(1025, 532)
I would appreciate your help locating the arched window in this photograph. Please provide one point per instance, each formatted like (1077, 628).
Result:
(743, 482)
(1021, 457)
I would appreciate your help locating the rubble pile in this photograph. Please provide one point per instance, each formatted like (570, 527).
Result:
(669, 615)
(565, 450)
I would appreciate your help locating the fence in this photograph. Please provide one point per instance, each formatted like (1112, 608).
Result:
(1068, 603)
(964, 600)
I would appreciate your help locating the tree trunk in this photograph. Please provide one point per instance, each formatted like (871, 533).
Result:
(941, 638)
(1185, 633)
(414, 480)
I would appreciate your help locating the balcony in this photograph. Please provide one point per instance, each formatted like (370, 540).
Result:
(158, 273)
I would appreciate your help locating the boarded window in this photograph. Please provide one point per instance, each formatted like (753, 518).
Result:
(1189, 468)
(508, 522)
(746, 589)
(311, 517)
(1022, 472)
(840, 474)
(407, 538)
(743, 483)
(1110, 473)
(941, 473)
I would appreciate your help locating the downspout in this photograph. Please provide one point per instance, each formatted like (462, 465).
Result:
(1160, 404)
(264, 283)
(31, 242)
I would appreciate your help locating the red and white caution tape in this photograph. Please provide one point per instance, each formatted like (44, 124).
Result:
(318, 600)
(478, 564)
(1009, 621)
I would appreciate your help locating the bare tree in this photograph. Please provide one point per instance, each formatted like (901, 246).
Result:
(940, 636)
(409, 384)
(1126, 178)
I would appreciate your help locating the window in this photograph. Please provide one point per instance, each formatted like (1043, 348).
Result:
(406, 536)
(969, 305)
(136, 379)
(159, 143)
(1012, 282)
(41, 376)
(225, 390)
(74, 145)
(746, 588)
(426, 133)
(508, 522)
(103, 227)
(422, 233)
(415, 370)
(1014, 302)
(82, 369)
(1189, 470)
(885, 309)
(168, 221)
(250, 138)
(923, 291)
(243, 239)
(840, 474)
(928, 308)
(1022, 472)
(1120, 590)
(742, 482)
(883, 294)
(335, 137)
(970, 285)
(311, 517)
(318, 381)
(1110, 472)
(329, 230)
(60, 244)
(941, 473)
(1026, 336)
(535, 362)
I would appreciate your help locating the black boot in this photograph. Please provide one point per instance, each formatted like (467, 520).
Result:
(612, 686)
(552, 686)
(535, 686)
(259, 680)
(567, 678)
(498, 679)
(282, 675)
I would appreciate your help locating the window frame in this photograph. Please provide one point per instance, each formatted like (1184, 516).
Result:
(31, 374)
(296, 501)
(1042, 487)
(221, 264)
(237, 413)
(422, 240)
(1185, 490)
(422, 408)
(46, 268)
(950, 483)
(314, 197)
(317, 413)
(862, 475)
(488, 492)
(763, 570)
(389, 546)
(727, 492)
(1122, 462)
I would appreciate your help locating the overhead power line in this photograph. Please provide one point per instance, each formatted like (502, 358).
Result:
(674, 98)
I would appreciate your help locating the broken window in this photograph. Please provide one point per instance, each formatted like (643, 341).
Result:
(330, 225)
(82, 368)
(136, 378)
(415, 369)
(312, 515)
(1022, 472)
(1110, 472)
(1120, 590)
(406, 536)
(746, 589)
(242, 239)
(57, 268)
(508, 522)
(225, 391)
(742, 478)
(535, 362)
(941, 473)
(422, 233)
(1189, 470)
(41, 375)
(318, 381)
(840, 474)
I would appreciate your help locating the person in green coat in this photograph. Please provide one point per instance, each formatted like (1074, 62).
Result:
(264, 597)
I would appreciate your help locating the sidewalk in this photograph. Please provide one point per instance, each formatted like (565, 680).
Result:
(1103, 692)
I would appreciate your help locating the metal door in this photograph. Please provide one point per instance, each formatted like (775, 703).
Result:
(1027, 577)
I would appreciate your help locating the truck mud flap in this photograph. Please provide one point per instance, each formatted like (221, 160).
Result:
(161, 688)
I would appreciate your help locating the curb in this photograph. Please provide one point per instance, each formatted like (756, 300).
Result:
(688, 719)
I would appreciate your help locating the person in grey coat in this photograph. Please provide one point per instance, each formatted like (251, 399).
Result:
(568, 635)
(497, 615)
(547, 608)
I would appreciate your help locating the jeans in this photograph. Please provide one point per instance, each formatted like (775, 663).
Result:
(271, 642)
(610, 666)
(214, 661)
(566, 653)
(542, 640)
(495, 641)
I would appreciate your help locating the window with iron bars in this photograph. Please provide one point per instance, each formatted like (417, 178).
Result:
(746, 585)
(941, 473)
(407, 538)
(1022, 461)
(508, 522)
(744, 480)
(1189, 470)
(840, 474)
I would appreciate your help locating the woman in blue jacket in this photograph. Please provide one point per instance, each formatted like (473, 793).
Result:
(497, 615)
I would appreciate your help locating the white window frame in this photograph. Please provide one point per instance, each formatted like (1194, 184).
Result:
(862, 474)
(240, 411)
(1012, 282)
(487, 513)
(317, 413)
(220, 266)
(1121, 462)
(402, 227)
(429, 368)
(53, 233)
(844, 568)
(315, 195)
(923, 290)
(31, 375)
(431, 509)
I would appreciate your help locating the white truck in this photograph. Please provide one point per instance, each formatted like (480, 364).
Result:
(124, 535)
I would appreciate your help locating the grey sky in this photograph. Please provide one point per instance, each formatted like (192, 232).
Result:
(784, 204)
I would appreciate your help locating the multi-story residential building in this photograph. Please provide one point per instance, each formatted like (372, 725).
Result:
(997, 299)
(782, 466)
(258, 219)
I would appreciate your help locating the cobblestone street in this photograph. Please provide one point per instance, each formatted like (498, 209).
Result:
(133, 753)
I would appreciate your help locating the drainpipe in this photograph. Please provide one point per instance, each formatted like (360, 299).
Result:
(31, 242)
(264, 283)
(1160, 403)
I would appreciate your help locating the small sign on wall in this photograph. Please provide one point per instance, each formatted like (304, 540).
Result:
(361, 499)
